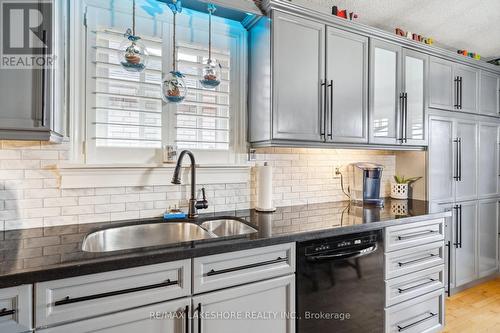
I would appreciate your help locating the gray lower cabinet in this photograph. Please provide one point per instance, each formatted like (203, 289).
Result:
(166, 317)
(347, 86)
(488, 237)
(33, 100)
(488, 174)
(397, 95)
(465, 242)
(453, 86)
(298, 76)
(16, 309)
(241, 309)
(489, 88)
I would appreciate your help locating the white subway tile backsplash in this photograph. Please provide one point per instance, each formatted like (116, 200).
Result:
(30, 195)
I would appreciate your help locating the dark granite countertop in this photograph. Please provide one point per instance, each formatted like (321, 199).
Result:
(42, 254)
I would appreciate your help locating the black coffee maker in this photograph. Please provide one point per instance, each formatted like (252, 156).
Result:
(364, 183)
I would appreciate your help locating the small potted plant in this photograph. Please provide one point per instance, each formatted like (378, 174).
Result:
(399, 189)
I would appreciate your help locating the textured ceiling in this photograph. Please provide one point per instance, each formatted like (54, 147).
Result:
(454, 24)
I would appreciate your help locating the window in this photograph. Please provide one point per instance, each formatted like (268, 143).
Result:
(126, 119)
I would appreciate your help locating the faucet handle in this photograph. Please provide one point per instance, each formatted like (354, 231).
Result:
(202, 204)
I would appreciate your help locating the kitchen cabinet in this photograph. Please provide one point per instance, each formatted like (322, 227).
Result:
(441, 160)
(248, 304)
(488, 159)
(415, 68)
(489, 89)
(299, 78)
(397, 95)
(347, 88)
(441, 94)
(33, 100)
(16, 309)
(453, 86)
(488, 237)
(319, 86)
(465, 141)
(171, 317)
(453, 155)
(465, 242)
(385, 87)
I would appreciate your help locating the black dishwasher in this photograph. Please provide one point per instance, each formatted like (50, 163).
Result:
(340, 284)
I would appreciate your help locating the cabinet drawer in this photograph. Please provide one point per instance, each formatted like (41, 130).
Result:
(234, 268)
(97, 294)
(15, 309)
(410, 235)
(413, 259)
(424, 314)
(413, 285)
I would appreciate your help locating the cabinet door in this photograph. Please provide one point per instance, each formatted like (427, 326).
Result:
(385, 88)
(488, 237)
(489, 94)
(468, 89)
(465, 232)
(276, 296)
(298, 72)
(488, 160)
(441, 93)
(414, 81)
(347, 73)
(167, 317)
(466, 150)
(441, 156)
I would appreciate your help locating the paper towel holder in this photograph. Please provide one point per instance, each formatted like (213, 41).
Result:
(268, 209)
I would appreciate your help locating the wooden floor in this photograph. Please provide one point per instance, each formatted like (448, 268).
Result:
(475, 310)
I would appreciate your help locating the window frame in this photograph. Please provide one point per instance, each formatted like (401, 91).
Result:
(81, 154)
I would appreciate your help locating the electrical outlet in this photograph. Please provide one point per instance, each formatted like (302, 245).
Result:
(337, 169)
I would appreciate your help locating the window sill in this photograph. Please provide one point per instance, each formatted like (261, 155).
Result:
(93, 176)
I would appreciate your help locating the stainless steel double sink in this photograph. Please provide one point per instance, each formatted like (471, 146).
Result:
(154, 234)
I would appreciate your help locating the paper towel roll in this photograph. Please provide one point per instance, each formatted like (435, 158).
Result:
(265, 188)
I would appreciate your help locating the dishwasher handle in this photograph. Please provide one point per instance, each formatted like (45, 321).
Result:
(342, 255)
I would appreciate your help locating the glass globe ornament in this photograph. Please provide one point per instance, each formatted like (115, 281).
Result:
(174, 88)
(133, 54)
(211, 74)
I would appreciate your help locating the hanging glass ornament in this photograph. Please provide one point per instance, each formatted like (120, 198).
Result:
(174, 87)
(212, 68)
(132, 52)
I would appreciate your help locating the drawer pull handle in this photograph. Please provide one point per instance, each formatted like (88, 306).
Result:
(404, 328)
(238, 268)
(404, 263)
(404, 290)
(68, 300)
(416, 234)
(5, 312)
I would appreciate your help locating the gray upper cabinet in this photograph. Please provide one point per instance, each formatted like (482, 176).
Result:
(385, 87)
(33, 102)
(489, 94)
(397, 95)
(488, 160)
(441, 94)
(415, 69)
(347, 86)
(488, 237)
(298, 78)
(453, 86)
(468, 79)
